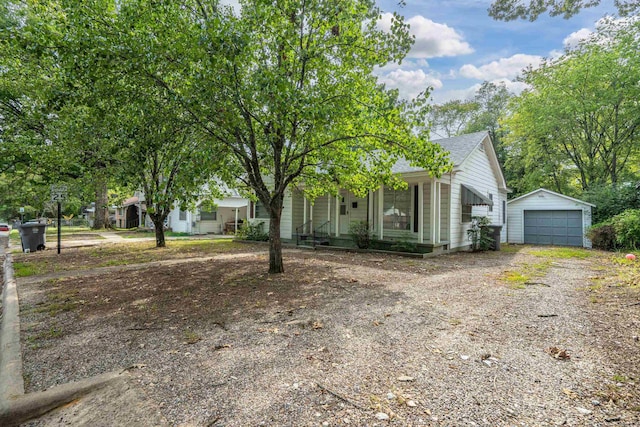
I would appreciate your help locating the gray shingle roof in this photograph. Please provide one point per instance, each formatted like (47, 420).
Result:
(459, 148)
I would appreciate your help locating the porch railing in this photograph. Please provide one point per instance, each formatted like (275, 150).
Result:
(321, 234)
(303, 232)
(316, 236)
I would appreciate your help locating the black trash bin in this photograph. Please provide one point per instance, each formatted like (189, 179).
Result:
(494, 231)
(33, 236)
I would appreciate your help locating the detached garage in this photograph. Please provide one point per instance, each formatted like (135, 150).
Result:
(544, 217)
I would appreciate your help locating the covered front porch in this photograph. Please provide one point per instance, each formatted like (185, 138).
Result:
(419, 214)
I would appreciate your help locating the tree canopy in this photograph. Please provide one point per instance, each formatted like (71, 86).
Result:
(272, 95)
(508, 10)
(579, 123)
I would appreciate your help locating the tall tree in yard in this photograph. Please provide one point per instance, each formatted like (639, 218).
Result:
(286, 88)
(452, 117)
(50, 121)
(582, 110)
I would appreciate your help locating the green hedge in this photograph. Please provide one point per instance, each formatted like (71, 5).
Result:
(620, 232)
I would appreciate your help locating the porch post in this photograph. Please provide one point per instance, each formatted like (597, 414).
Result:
(236, 224)
(381, 212)
(438, 197)
(420, 203)
(304, 215)
(370, 210)
(432, 212)
(338, 214)
(311, 216)
(329, 211)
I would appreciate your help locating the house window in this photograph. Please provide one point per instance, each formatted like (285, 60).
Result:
(183, 215)
(397, 209)
(466, 213)
(504, 211)
(208, 216)
(261, 211)
(491, 206)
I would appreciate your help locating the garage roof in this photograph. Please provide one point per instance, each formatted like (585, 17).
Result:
(544, 190)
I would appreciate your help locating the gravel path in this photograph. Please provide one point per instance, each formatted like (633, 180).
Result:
(342, 339)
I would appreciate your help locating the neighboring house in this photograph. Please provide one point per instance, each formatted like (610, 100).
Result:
(547, 218)
(433, 211)
(132, 212)
(229, 214)
(89, 214)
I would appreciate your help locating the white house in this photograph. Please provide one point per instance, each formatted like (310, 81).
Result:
(432, 211)
(545, 217)
(229, 214)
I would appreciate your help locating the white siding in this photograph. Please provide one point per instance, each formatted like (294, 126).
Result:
(426, 214)
(286, 228)
(477, 173)
(286, 222)
(504, 214)
(543, 201)
(177, 225)
(297, 206)
(444, 212)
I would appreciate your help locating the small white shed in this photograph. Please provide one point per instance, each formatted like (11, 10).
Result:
(544, 217)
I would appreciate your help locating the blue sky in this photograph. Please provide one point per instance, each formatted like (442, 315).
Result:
(458, 46)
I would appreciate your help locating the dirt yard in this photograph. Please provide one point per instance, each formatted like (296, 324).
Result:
(523, 337)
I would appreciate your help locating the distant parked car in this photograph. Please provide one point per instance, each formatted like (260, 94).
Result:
(4, 227)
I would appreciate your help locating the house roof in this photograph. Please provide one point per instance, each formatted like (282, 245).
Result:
(130, 201)
(459, 148)
(544, 190)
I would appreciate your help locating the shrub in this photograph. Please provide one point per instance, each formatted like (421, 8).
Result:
(612, 200)
(480, 234)
(404, 244)
(360, 233)
(627, 228)
(253, 231)
(603, 236)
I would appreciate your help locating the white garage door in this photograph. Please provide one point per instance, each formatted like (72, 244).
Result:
(561, 227)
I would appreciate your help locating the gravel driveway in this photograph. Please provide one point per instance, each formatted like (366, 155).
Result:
(343, 339)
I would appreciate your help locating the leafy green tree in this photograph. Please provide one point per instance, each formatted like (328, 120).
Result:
(286, 88)
(612, 200)
(165, 155)
(491, 100)
(581, 117)
(47, 133)
(452, 117)
(508, 10)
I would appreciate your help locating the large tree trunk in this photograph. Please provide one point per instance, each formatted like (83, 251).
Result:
(101, 219)
(275, 244)
(158, 224)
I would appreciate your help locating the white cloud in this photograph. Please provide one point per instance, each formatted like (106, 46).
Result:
(573, 39)
(504, 68)
(441, 96)
(409, 82)
(433, 40)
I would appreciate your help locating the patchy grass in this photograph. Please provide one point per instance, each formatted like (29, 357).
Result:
(48, 334)
(515, 279)
(120, 254)
(510, 248)
(26, 269)
(56, 303)
(627, 272)
(191, 337)
(135, 234)
(562, 253)
(518, 279)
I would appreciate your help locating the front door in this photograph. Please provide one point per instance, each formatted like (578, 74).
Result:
(352, 209)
